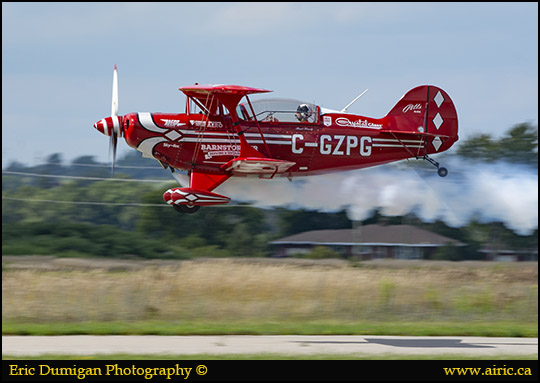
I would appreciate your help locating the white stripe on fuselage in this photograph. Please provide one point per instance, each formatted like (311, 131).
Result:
(147, 122)
(231, 138)
(147, 146)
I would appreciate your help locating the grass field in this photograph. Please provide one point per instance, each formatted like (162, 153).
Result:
(250, 296)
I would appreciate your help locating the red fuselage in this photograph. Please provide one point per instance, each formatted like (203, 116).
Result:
(345, 142)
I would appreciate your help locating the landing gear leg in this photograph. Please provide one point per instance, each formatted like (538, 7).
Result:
(441, 171)
(186, 209)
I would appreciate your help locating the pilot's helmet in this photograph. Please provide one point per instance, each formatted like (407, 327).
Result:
(304, 111)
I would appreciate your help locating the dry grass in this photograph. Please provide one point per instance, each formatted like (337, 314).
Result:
(245, 290)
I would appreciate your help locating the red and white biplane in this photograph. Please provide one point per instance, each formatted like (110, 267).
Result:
(223, 133)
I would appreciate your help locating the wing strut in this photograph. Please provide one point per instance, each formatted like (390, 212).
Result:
(201, 132)
(258, 126)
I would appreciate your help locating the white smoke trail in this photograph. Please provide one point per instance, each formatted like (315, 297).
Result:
(498, 192)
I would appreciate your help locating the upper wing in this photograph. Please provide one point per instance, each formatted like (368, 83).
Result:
(229, 95)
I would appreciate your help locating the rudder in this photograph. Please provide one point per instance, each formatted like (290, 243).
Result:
(427, 110)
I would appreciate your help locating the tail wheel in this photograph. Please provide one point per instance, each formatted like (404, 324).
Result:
(186, 209)
(442, 172)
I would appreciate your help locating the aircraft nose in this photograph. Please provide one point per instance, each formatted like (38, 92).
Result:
(103, 127)
(109, 125)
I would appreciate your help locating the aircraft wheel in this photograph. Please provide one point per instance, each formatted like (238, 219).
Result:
(185, 209)
(442, 172)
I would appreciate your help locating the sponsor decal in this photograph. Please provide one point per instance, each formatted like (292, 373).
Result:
(172, 123)
(214, 150)
(416, 108)
(327, 120)
(167, 145)
(343, 121)
(209, 155)
(209, 124)
(209, 147)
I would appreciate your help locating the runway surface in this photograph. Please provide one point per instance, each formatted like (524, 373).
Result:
(282, 344)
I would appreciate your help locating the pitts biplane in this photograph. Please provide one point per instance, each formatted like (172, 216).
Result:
(223, 133)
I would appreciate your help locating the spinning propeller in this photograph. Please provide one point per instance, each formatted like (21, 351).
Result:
(112, 126)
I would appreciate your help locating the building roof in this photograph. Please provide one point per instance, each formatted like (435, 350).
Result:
(370, 235)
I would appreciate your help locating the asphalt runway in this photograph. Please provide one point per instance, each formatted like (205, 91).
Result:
(255, 344)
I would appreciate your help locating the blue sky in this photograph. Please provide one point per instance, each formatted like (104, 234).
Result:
(58, 59)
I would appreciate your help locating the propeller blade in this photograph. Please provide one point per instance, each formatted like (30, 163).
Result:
(114, 106)
(112, 148)
(114, 113)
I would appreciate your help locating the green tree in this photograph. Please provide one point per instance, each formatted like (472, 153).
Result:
(518, 145)
(480, 147)
(449, 253)
(298, 221)
(55, 159)
(89, 160)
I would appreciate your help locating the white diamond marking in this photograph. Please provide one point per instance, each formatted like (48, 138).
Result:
(439, 99)
(438, 121)
(173, 135)
(191, 197)
(437, 143)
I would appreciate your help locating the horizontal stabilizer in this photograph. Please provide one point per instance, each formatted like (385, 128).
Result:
(193, 197)
(257, 165)
(423, 134)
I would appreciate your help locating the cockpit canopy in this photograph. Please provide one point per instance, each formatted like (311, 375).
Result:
(279, 110)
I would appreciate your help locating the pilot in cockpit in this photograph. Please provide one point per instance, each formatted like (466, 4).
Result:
(303, 113)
